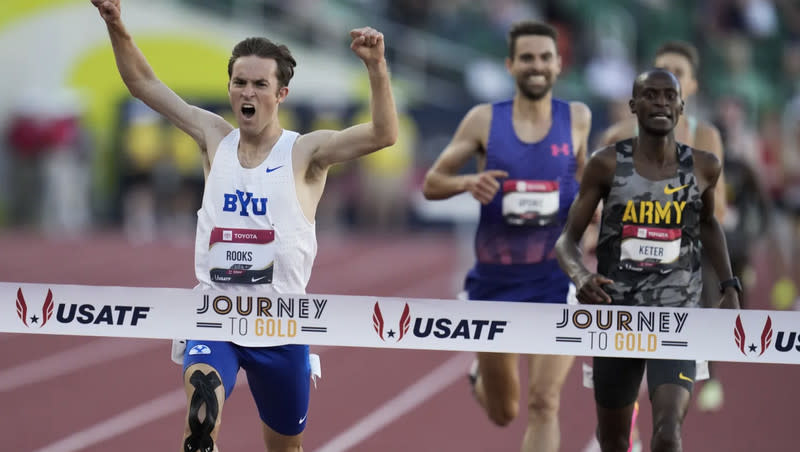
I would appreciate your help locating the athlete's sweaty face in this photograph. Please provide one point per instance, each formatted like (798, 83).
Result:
(535, 65)
(680, 66)
(254, 92)
(657, 102)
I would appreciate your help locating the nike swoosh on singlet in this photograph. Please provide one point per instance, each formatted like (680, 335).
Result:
(684, 377)
(254, 279)
(669, 190)
(269, 170)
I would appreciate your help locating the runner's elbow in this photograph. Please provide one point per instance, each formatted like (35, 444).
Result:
(428, 190)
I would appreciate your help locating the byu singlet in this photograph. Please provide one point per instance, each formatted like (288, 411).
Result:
(251, 230)
(649, 242)
(519, 227)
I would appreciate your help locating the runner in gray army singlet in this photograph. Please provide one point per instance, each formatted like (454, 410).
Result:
(649, 242)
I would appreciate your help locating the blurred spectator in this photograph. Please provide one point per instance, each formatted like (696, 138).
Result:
(749, 206)
(770, 145)
(790, 75)
(161, 176)
(609, 73)
(739, 77)
(412, 13)
(49, 152)
(739, 138)
(386, 179)
(487, 80)
(755, 18)
(789, 11)
(789, 235)
(339, 196)
(503, 13)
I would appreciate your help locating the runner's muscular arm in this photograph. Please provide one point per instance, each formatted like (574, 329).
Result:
(708, 139)
(327, 147)
(206, 128)
(711, 234)
(581, 126)
(595, 185)
(442, 179)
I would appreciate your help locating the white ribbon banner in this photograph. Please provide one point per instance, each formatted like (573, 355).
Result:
(267, 319)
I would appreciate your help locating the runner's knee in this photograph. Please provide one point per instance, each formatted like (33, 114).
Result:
(543, 402)
(282, 443)
(614, 428)
(503, 412)
(204, 410)
(667, 436)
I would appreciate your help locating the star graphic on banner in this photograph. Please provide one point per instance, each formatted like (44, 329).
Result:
(34, 319)
(390, 333)
(752, 348)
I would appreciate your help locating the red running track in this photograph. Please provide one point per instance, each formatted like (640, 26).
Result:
(63, 394)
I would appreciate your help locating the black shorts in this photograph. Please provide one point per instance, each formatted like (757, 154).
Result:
(617, 380)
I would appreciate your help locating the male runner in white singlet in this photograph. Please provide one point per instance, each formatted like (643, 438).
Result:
(255, 228)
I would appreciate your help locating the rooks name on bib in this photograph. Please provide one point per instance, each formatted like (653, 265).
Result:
(236, 256)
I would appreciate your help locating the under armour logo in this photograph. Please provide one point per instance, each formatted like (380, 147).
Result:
(563, 149)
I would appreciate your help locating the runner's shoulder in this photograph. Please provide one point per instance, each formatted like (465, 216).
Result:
(581, 115)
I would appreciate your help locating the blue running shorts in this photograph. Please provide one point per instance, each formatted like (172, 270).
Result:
(279, 378)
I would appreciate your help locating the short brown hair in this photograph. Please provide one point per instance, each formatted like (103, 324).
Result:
(529, 27)
(684, 49)
(264, 48)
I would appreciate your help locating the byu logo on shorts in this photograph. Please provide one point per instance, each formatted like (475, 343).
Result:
(200, 349)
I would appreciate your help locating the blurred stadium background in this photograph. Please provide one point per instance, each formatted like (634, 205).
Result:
(79, 153)
(80, 159)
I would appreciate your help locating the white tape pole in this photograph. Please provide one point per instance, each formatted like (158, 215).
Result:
(264, 319)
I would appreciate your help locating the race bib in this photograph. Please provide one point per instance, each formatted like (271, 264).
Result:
(648, 249)
(530, 202)
(241, 256)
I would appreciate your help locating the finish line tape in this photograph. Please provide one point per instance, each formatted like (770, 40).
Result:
(268, 319)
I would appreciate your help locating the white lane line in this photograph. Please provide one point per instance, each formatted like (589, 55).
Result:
(121, 423)
(72, 360)
(134, 418)
(413, 396)
(91, 435)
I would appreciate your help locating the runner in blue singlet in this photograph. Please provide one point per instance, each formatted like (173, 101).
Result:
(530, 150)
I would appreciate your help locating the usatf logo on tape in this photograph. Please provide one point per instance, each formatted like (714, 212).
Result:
(81, 313)
(441, 328)
(785, 341)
